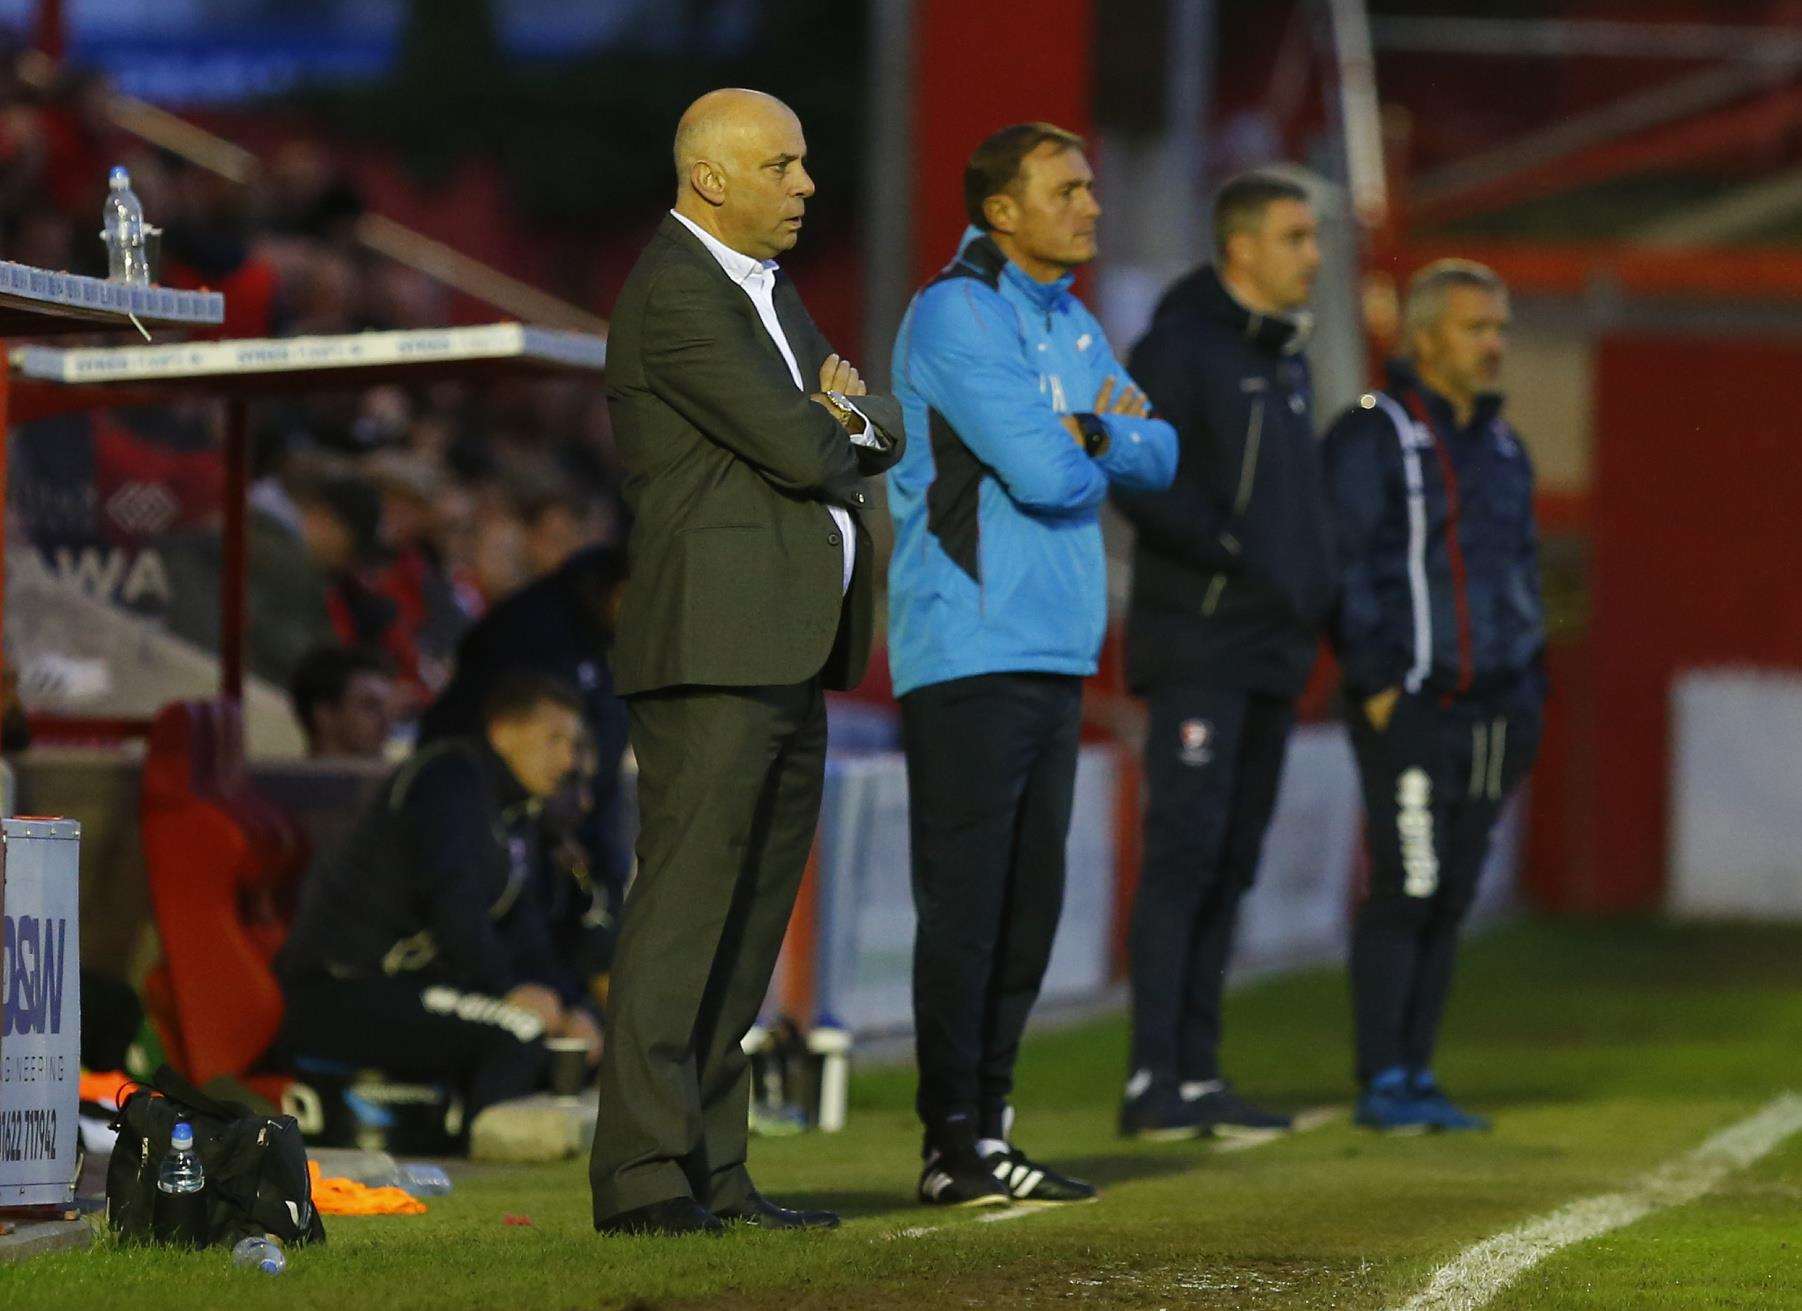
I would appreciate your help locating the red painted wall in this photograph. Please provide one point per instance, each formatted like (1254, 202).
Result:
(979, 67)
(1697, 503)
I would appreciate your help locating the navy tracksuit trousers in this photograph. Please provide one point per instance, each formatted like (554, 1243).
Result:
(1435, 781)
(1213, 759)
(991, 776)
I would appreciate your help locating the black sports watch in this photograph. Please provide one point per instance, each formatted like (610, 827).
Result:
(1095, 435)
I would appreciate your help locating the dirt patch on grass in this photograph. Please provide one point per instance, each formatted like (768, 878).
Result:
(1227, 1286)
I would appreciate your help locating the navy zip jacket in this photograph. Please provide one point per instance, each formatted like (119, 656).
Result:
(433, 884)
(555, 626)
(1233, 573)
(1438, 546)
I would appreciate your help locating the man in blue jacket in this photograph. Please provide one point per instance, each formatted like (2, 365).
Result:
(1441, 634)
(1232, 582)
(1019, 418)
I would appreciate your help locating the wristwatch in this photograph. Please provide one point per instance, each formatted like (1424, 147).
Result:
(845, 406)
(1094, 433)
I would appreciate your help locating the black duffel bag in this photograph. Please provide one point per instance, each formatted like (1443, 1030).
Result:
(255, 1166)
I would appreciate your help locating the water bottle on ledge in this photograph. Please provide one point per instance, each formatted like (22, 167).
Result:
(122, 229)
(180, 1215)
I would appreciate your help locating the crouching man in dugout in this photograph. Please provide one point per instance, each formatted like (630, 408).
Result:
(1441, 634)
(422, 946)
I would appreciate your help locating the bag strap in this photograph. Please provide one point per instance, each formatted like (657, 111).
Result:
(177, 1088)
(127, 1092)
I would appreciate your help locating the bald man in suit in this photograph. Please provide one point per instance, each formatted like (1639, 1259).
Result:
(746, 439)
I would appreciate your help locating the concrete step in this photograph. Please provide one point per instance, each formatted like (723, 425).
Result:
(542, 1127)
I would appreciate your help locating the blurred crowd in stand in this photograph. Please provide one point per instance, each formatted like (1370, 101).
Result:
(387, 521)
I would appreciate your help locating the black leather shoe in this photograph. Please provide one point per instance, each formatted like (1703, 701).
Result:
(670, 1218)
(765, 1214)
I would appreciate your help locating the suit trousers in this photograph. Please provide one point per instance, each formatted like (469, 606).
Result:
(729, 790)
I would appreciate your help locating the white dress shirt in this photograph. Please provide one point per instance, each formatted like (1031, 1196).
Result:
(758, 279)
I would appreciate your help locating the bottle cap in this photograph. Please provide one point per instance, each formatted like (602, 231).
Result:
(181, 1138)
(118, 179)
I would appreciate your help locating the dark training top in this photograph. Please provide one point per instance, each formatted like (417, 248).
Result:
(436, 882)
(554, 626)
(1233, 574)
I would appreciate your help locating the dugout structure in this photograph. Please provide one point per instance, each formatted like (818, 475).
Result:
(41, 303)
(235, 373)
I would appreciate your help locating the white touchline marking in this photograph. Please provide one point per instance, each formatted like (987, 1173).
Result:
(1482, 1271)
(1314, 1118)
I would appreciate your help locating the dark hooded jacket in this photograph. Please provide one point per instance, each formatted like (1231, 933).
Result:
(1233, 571)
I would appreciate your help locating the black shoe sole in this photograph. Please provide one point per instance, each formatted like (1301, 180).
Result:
(969, 1203)
(1223, 1130)
(741, 1222)
(1166, 1135)
(1054, 1201)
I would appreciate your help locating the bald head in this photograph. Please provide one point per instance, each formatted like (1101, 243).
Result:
(741, 170)
(722, 121)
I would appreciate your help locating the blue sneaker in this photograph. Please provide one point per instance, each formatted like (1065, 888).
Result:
(1439, 1109)
(1388, 1105)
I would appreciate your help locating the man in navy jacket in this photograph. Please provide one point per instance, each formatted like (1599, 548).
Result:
(1232, 581)
(561, 625)
(1441, 634)
(420, 947)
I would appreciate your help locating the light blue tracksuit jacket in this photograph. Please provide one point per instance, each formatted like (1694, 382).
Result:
(998, 564)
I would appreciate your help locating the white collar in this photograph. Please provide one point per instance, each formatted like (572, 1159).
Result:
(739, 266)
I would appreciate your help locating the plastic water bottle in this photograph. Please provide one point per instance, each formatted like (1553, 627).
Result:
(424, 1180)
(829, 1046)
(260, 1252)
(122, 229)
(180, 1217)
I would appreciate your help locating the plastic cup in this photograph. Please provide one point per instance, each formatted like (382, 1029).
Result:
(569, 1065)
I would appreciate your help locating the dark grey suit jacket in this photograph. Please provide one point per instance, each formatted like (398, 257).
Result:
(737, 565)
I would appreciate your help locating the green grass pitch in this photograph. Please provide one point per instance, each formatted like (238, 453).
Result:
(1601, 1051)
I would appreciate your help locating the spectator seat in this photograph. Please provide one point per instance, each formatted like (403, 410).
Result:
(224, 868)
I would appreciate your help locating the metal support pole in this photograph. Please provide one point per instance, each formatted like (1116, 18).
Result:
(53, 30)
(888, 192)
(1359, 113)
(5, 450)
(233, 586)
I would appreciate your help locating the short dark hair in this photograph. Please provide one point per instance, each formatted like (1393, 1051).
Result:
(518, 693)
(994, 166)
(353, 501)
(1241, 201)
(324, 675)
